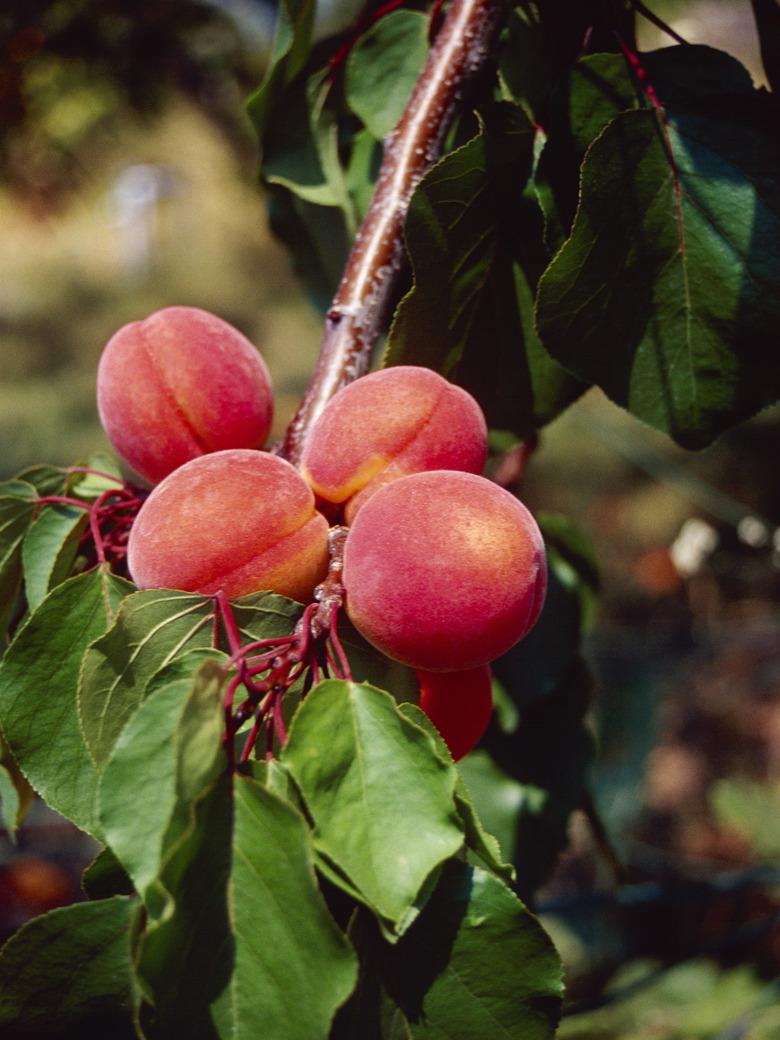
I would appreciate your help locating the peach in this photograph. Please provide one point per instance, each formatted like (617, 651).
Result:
(459, 704)
(390, 424)
(239, 521)
(178, 385)
(444, 570)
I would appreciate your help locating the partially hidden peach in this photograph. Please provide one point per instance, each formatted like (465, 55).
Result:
(178, 385)
(444, 571)
(459, 704)
(238, 521)
(387, 425)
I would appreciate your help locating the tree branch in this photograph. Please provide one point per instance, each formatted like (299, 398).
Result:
(355, 317)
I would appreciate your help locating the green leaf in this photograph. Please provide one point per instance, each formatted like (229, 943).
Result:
(47, 480)
(380, 797)
(17, 507)
(38, 682)
(185, 956)
(68, 974)
(167, 754)
(383, 67)
(9, 803)
(290, 51)
(668, 291)
(476, 963)
(265, 615)
(498, 798)
(151, 629)
(478, 839)
(588, 97)
(91, 485)
(475, 244)
(50, 548)
(105, 877)
(293, 967)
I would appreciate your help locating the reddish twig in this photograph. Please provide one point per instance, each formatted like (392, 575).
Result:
(358, 310)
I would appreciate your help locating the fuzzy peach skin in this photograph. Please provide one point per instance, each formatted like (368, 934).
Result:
(444, 571)
(459, 704)
(178, 385)
(239, 521)
(387, 425)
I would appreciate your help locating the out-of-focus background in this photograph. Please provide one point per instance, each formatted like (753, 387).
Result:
(127, 183)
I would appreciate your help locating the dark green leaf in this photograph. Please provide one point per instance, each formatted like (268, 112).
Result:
(38, 682)
(47, 480)
(167, 754)
(49, 549)
(68, 974)
(17, 506)
(475, 964)
(383, 67)
(293, 968)
(380, 797)
(667, 294)
(151, 629)
(475, 243)
(185, 956)
(105, 877)
(478, 839)
(588, 96)
(498, 798)
(291, 49)
(9, 803)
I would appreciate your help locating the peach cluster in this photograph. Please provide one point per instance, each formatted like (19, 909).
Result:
(442, 570)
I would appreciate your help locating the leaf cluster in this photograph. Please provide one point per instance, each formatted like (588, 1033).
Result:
(598, 216)
(296, 897)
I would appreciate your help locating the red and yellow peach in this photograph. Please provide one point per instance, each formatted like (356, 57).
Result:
(178, 385)
(387, 425)
(237, 521)
(444, 571)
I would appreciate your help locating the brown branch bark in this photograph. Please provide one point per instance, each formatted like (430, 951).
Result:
(355, 317)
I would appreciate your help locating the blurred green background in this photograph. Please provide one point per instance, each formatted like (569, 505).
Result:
(128, 182)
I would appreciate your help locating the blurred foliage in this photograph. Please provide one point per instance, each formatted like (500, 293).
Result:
(72, 70)
(694, 1001)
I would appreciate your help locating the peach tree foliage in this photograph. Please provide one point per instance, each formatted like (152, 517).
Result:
(584, 215)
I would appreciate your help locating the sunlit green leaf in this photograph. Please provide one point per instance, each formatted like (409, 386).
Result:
(475, 243)
(38, 683)
(668, 291)
(383, 67)
(168, 753)
(293, 967)
(151, 629)
(49, 549)
(380, 797)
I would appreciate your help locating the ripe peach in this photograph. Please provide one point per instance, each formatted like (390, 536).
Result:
(389, 424)
(239, 521)
(444, 571)
(178, 385)
(459, 704)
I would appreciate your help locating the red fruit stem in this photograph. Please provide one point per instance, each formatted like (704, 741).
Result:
(355, 317)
